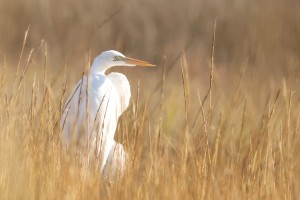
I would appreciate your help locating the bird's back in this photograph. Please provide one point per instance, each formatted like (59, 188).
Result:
(94, 122)
(122, 86)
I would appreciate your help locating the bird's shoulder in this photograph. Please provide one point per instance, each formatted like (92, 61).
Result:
(122, 87)
(119, 80)
(99, 81)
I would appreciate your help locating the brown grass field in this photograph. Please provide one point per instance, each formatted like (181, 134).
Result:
(217, 119)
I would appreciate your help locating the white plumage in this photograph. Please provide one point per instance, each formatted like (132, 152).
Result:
(92, 110)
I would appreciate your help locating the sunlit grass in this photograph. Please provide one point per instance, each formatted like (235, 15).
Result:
(217, 119)
(212, 146)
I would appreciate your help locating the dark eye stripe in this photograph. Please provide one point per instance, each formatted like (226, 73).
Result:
(117, 58)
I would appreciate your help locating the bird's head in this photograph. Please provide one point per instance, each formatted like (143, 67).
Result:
(114, 58)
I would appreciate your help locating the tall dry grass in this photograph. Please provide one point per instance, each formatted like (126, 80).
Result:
(218, 119)
(211, 148)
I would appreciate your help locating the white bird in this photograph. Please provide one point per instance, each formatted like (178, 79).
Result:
(92, 110)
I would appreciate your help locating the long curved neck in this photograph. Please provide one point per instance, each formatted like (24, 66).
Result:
(99, 67)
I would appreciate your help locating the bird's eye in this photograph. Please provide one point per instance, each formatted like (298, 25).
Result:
(116, 58)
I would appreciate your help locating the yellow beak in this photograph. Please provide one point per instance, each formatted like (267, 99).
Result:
(137, 62)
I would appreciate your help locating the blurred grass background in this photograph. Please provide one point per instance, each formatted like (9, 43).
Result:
(262, 34)
(264, 31)
(245, 144)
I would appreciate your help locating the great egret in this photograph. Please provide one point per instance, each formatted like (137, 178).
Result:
(91, 112)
